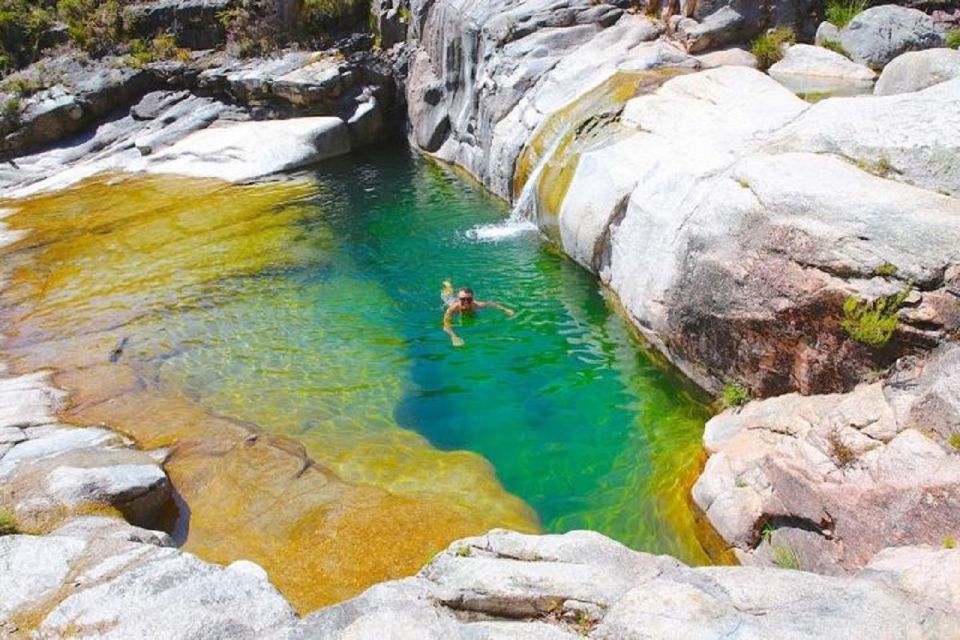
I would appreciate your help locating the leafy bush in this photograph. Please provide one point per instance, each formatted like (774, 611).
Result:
(841, 12)
(768, 48)
(953, 39)
(874, 322)
(950, 542)
(22, 26)
(734, 395)
(96, 27)
(955, 440)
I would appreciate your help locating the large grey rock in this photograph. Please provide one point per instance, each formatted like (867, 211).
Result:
(74, 93)
(879, 34)
(103, 527)
(251, 149)
(916, 70)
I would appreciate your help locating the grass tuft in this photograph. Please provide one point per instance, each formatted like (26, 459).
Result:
(734, 395)
(840, 12)
(886, 269)
(950, 542)
(953, 39)
(768, 48)
(836, 47)
(954, 440)
(785, 557)
(8, 524)
(873, 323)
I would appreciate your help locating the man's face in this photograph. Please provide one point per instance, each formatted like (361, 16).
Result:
(466, 300)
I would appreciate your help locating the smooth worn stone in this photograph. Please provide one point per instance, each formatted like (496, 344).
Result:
(733, 57)
(130, 590)
(878, 35)
(826, 33)
(33, 568)
(805, 68)
(102, 527)
(917, 70)
(251, 149)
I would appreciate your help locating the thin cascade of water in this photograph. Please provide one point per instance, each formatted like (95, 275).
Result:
(523, 216)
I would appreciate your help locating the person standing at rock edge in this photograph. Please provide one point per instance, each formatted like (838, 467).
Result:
(463, 301)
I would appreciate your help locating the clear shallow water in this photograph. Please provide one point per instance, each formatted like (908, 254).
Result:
(318, 316)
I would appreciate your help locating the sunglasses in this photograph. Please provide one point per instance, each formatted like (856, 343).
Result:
(466, 299)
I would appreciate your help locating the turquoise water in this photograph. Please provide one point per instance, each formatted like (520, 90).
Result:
(320, 318)
(575, 420)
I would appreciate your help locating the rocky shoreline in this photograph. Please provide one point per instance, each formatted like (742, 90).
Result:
(734, 221)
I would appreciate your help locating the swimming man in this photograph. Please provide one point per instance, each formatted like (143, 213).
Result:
(463, 302)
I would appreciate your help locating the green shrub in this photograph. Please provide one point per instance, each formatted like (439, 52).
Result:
(734, 395)
(10, 113)
(768, 48)
(22, 25)
(953, 39)
(954, 440)
(8, 524)
(874, 322)
(841, 12)
(950, 542)
(94, 26)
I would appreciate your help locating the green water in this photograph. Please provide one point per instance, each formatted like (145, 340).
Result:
(346, 346)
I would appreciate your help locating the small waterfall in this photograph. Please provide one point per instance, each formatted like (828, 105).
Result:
(523, 216)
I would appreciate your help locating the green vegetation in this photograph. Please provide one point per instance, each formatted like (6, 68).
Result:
(785, 557)
(835, 46)
(163, 47)
(953, 39)
(841, 12)
(874, 322)
(954, 440)
(734, 395)
(881, 167)
(10, 113)
(950, 542)
(23, 24)
(8, 525)
(886, 269)
(768, 48)
(463, 552)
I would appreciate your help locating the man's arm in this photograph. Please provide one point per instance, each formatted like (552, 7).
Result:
(496, 305)
(448, 327)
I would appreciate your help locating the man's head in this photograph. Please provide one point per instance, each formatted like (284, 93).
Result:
(465, 297)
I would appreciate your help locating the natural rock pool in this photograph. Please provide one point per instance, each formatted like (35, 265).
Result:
(177, 309)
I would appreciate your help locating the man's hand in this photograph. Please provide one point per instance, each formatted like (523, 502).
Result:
(457, 341)
(510, 312)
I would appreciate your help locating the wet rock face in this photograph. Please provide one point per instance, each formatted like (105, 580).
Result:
(507, 585)
(485, 74)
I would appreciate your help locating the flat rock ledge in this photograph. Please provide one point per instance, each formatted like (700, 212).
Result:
(582, 584)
